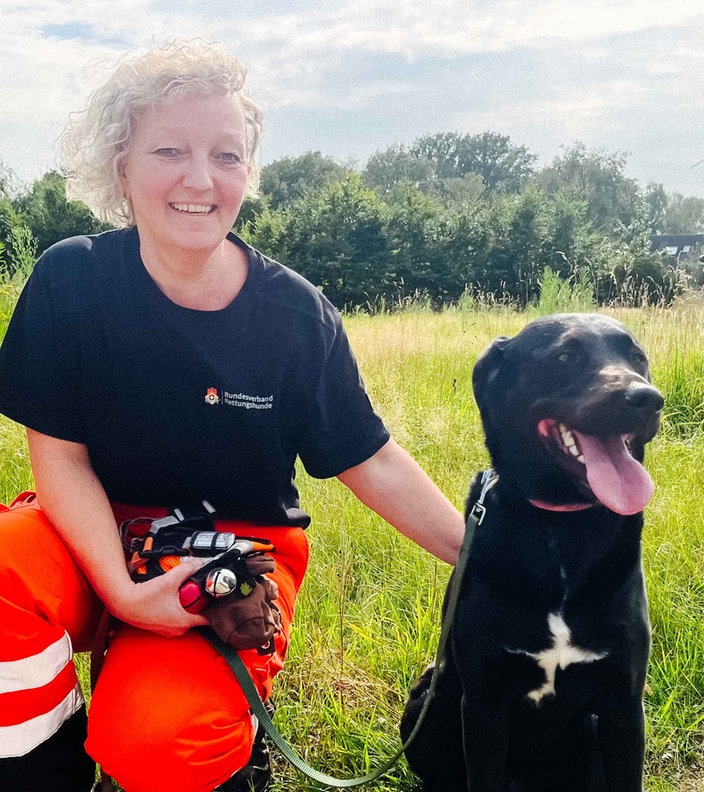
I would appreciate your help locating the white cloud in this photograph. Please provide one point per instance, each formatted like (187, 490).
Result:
(549, 71)
(452, 27)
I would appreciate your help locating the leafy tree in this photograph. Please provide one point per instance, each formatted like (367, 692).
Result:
(288, 179)
(638, 277)
(252, 207)
(268, 232)
(517, 233)
(19, 247)
(570, 238)
(657, 201)
(461, 191)
(684, 215)
(597, 177)
(23, 251)
(7, 180)
(335, 238)
(466, 243)
(50, 216)
(386, 169)
(500, 164)
(416, 229)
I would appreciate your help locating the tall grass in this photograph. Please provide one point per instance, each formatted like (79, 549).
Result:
(369, 611)
(364, 633)
(15, 474)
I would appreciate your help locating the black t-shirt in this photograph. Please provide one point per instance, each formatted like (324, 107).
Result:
(178, 405)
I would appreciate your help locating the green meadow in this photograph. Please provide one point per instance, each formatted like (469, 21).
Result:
(369, 613)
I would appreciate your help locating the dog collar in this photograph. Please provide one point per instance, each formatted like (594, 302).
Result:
(560, 507)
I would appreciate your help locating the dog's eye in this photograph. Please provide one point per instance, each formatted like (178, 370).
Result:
(566, 357)
(638, 357)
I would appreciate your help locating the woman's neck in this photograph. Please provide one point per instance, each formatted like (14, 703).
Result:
(202, 281)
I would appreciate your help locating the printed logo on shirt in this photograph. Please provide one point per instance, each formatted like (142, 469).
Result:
(211, 396)
(243, 401)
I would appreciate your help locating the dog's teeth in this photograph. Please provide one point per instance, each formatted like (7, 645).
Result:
(567, 437)
(569, 444)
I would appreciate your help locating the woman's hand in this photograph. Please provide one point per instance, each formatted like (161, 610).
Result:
(154, 604)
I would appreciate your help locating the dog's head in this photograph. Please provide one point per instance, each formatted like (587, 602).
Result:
(567, 408)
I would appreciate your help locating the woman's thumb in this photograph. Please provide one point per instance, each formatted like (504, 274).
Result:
(187, 568)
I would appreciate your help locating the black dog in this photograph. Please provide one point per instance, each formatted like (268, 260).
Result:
(541, 686)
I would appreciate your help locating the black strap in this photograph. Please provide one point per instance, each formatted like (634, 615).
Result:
(474, 519)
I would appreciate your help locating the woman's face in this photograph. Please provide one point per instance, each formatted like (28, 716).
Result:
(185, 172)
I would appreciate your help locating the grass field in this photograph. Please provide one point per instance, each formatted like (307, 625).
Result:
(368, 618)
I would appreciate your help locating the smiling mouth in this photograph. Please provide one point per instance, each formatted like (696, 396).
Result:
(193, 209)
(605, 465)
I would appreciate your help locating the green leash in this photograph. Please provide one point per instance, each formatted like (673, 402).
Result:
(474, 519)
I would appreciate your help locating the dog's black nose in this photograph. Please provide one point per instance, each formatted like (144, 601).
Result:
(643, 396)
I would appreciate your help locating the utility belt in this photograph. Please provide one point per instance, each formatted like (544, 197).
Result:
(231, 589)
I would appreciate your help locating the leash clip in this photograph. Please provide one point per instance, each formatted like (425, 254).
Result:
(478, 513)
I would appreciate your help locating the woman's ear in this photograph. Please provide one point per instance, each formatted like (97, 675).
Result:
(122, 173)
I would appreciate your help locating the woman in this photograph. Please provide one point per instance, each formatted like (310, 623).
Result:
(156, 366)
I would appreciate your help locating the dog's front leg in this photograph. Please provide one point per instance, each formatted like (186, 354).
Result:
(622, 741)
(485, 739)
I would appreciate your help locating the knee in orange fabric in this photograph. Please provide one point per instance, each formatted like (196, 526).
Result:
(39, 577)
(46, 609)
(167, 713)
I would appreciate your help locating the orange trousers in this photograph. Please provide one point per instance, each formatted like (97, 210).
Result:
(166, 713)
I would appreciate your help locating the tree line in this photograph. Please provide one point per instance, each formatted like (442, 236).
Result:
(449, 215)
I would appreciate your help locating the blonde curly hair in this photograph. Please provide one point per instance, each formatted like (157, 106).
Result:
(97, 139)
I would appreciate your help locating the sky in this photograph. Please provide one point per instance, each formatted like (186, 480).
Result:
(348, 78)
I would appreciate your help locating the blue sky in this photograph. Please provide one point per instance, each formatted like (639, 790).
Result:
(348, 78)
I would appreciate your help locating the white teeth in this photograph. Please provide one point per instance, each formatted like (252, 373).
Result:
(192, 208)
(566, 436)
(570, 443)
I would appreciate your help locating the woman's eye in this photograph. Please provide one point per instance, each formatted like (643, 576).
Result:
(230, 158)
(167, 152)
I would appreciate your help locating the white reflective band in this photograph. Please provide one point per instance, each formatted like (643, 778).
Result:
(22, 738)
(37, 670)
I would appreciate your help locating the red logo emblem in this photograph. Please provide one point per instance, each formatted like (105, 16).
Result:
(211, 396)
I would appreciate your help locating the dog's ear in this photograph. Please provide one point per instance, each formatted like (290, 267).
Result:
(487, 368)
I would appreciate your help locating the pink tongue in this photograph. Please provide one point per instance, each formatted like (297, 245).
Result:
(618, 481)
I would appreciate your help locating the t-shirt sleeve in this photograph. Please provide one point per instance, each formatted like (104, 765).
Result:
(38, 377)
(343, 430)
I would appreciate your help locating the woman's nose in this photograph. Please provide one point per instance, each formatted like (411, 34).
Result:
(197, 175)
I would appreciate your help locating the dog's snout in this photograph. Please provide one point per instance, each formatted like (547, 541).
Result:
(642, 396)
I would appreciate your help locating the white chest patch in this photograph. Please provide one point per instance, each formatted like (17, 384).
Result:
(561, 654)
